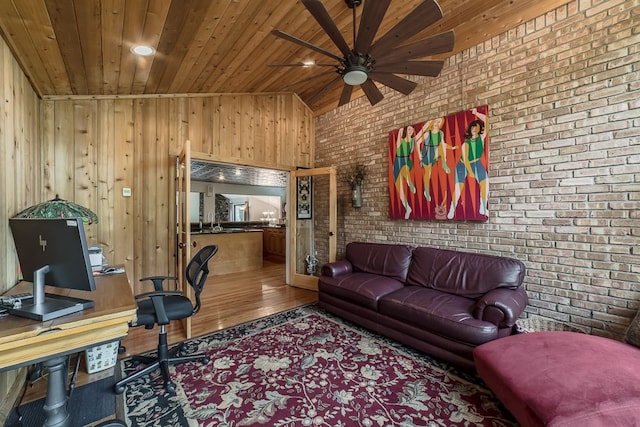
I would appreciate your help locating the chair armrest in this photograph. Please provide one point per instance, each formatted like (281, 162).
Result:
(501, 306)
(159, 294)
(336, 268)
(158, 280)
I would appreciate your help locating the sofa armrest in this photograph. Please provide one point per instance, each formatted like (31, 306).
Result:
(336, 268)
(501, 306)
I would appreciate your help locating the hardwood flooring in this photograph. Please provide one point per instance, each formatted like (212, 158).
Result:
(227, 300)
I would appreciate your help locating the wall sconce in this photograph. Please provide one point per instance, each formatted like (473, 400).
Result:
(356, 198)
(356, 178)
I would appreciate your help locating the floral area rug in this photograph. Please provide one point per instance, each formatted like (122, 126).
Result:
(305, 367)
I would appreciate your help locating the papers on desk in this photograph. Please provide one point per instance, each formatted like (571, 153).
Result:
(108, 270)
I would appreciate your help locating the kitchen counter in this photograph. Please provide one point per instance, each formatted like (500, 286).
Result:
(238, 249)
(227, 230)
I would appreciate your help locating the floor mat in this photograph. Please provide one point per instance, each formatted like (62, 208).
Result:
(89, 403)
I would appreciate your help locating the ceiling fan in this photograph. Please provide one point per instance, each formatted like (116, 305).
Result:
(383, 60)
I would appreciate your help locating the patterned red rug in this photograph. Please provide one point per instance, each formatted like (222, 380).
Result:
(305, 367)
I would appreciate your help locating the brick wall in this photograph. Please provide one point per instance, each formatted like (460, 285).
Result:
(564, 97)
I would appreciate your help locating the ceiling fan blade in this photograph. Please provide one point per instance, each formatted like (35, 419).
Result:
(308, 79)
(369, 23)
(319, 12)
(322, 92)
(346, 95)
(429, 68)
(371, 90)
(420, 18)
(396, 83)
(440, 43)
(301, 42)
(302, 65)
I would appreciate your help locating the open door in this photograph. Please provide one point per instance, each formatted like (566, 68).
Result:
(312, 224)
(183, 190)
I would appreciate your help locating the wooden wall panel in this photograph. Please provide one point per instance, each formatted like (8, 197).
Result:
(88, 149)
(121, 228)
(61, 145)
(105, 172)
(95, 147)
(20, 179)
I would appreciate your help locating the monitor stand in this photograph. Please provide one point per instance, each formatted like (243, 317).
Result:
(42, 307)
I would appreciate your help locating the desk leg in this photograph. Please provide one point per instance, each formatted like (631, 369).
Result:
(55, 404)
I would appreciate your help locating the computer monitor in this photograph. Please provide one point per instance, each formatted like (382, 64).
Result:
(52, 252)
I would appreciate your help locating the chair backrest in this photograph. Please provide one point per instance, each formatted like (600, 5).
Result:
(198, 270)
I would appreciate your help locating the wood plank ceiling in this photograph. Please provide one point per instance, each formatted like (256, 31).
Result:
(82, 47)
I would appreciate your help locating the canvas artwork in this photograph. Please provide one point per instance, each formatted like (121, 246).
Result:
(304, 198)
(439, 169)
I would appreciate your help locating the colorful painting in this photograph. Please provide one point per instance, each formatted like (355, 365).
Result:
(439, 169)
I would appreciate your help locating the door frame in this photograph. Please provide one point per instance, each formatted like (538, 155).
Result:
(303, 280)
(183, 225)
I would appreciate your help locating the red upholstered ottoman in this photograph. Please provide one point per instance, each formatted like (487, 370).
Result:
(563, 378)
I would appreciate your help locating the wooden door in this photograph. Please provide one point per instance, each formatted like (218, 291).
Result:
(312, 224)
(183, 190)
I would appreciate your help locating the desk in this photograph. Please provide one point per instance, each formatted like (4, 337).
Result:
(25, 341)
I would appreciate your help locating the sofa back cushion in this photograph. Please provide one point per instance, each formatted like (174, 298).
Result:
(378, 258)
(463, 273)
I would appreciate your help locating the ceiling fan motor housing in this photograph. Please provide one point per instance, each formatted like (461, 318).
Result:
(356, 68)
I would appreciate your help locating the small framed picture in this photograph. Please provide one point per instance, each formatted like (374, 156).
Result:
(304, 202)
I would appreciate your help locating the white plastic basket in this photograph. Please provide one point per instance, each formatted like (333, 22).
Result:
(102, 357)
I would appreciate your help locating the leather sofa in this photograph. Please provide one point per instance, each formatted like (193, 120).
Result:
(441, 302)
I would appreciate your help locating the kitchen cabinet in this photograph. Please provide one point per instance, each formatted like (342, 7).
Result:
(274, 243)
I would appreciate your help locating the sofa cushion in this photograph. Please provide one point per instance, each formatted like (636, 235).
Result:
(463, 273)
(441, 313)
(557, 378)
(377, 258)
(364, 289)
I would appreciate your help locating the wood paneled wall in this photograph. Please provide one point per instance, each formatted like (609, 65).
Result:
(87, 150)
(93, 148)
(20, 178)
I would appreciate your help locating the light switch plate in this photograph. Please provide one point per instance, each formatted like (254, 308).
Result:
(126, 192)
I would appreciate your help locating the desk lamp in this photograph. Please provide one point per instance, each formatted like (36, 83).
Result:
(59, 208)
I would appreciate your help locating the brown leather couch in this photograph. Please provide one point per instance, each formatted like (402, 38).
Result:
(444, 303)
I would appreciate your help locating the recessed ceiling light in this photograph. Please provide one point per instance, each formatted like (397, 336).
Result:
(143, 50)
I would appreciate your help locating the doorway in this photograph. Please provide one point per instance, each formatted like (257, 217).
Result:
(243, 197)
(312, 224)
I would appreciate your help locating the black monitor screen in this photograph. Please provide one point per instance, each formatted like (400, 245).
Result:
(59, 243)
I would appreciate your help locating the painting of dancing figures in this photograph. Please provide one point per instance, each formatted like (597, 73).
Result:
(439, 169)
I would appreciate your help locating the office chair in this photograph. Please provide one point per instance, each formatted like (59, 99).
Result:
(161, 307)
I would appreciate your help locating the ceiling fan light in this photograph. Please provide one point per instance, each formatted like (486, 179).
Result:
(143, 50)
(355, 77)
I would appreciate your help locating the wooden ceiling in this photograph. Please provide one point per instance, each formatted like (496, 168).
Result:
(81, 47)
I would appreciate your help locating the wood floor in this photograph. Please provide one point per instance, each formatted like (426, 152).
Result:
(227, 300)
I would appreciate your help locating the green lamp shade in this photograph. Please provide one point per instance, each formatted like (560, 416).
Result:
(59, 208)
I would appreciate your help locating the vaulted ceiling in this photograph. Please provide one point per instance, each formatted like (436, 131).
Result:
(82, 47)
